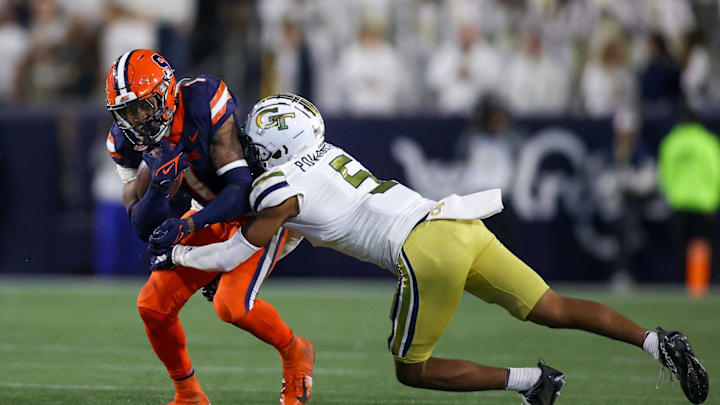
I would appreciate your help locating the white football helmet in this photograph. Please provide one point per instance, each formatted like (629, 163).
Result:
(281, 127)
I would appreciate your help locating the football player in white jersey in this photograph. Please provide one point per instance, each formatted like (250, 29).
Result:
(437, 250)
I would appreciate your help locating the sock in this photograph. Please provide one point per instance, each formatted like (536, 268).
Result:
(167, 338)
(651, 344)
(522, 379)
(264, 322)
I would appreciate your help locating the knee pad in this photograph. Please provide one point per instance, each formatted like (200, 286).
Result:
(228, 310)
(154, 319)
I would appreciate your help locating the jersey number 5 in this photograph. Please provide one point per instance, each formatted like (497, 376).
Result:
(356, 179)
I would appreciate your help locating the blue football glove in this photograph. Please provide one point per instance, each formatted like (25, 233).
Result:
(165, 236)
(167, 166)
(162, 262)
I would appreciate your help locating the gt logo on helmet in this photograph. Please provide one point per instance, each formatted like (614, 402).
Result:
(266, 140)
(273, 120)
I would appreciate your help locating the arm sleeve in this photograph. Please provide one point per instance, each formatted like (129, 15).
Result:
(223, 256)
(127, 174)
(148, 213)
(232, 201)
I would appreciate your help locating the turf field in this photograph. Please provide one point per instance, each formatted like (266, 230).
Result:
(82, 342)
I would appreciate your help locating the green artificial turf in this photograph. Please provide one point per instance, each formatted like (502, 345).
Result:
(82, 342)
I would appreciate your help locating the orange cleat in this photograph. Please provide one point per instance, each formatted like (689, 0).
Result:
(189, 392)
(298, 360)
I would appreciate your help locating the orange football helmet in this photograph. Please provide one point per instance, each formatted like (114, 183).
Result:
(141, 93)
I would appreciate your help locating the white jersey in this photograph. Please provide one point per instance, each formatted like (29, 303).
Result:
(342, 205)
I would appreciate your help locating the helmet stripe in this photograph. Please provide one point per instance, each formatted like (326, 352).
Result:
(115, 77)
(121, 73)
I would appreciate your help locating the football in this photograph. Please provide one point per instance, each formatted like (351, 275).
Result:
(143, 181)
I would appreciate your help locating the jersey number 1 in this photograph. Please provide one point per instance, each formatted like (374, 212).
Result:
(356, 179)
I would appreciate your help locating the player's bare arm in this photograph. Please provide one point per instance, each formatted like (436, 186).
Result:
(129, 194)
(226, 147)
(269, 220)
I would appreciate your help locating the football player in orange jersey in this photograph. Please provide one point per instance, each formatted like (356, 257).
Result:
(151, 112)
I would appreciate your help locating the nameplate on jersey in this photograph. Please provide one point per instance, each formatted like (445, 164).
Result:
(307, 161)
(473, 206)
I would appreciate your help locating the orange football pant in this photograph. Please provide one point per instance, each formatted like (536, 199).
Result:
(165, 293)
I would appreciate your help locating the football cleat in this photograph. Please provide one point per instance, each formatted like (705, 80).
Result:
(298, 360)
(677, 356)
(546, 389)
(295, 391)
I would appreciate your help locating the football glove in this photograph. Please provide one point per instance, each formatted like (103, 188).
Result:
(167, 166)
(162, 262)
(168, 234)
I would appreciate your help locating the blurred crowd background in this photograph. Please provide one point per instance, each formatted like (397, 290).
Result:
(380, 57)
(567, 105)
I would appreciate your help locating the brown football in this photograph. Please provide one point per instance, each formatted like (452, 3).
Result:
(143, 181)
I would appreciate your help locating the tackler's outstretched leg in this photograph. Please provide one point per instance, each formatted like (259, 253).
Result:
(557, 311)
(500, 277)
(671, 349)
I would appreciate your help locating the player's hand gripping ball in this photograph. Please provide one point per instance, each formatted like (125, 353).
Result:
(143, 181)
(165, 165)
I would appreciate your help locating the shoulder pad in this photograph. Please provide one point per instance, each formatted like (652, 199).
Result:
(110, 145)
(208, 100)
(270, 190)
(200, 84)
(120, 149)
